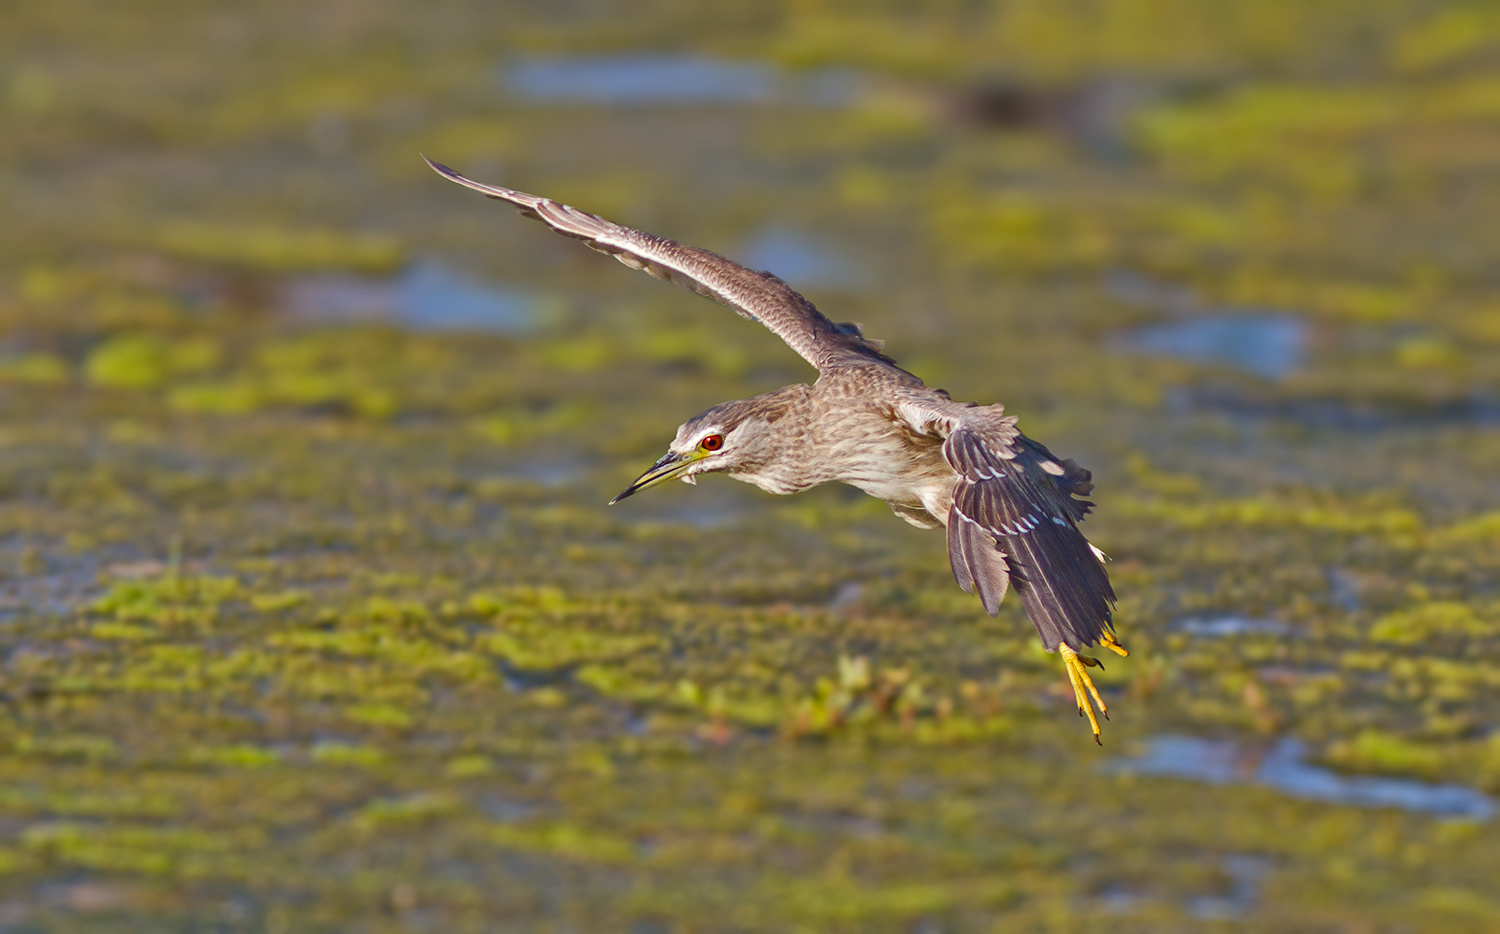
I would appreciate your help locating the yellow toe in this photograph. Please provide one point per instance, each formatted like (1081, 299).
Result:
(1083, 687)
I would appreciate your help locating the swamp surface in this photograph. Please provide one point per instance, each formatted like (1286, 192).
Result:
(313, 618)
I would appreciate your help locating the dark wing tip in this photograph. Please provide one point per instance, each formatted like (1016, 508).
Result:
(525, 203)
(439, 168)
(1062, 584)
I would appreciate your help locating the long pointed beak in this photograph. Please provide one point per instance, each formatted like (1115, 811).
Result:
(671, 465)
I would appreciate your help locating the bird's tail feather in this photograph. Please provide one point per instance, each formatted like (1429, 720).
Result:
(1062, 584)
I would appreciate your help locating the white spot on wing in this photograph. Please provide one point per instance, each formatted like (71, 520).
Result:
(1054, 468)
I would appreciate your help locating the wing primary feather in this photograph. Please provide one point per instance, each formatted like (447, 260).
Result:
(991, 581)
(999, 525)
(973, 552)
(956, 558)
(1062, 585)
(757, 296)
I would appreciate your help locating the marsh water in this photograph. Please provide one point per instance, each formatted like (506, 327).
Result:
(312, 614)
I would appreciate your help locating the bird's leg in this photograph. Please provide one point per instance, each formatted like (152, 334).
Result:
(1113, 644)
(1080, 680)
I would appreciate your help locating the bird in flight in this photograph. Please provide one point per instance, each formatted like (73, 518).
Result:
(1011, 508)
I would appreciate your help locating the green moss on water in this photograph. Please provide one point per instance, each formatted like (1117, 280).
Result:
(278, 249)
(145, 361)
(1431, 621)
(42, 368)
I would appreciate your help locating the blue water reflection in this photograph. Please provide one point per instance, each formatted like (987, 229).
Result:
(1219, 627)
(1262, 343)
(1283, 769)
(1266, 345)
(646, 79)
(797, 259)
(427, 296)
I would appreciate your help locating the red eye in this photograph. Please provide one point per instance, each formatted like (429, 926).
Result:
(712, 443)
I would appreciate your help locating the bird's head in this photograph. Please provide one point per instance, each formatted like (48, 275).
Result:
(733, 438)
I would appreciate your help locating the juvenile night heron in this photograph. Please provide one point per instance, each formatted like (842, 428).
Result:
(1010, 507)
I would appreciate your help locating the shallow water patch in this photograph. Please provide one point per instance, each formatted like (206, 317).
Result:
(427, 296)
(1218, 627)
(648, 79)
(797, 258)
(1282, 768)
(1326, 413)
(1260, 343)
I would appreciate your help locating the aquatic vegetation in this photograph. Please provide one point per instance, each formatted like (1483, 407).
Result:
(1429, 621)
(275, 250)
(34, 368)
(145, 361)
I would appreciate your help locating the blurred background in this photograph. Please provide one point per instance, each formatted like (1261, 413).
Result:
(313, 616)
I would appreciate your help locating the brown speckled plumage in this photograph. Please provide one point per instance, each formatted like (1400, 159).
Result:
(1011, 508)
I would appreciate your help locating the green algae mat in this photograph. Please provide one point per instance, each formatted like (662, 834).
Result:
(313, 617)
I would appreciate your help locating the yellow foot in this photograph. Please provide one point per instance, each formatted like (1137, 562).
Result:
(1079, 678)
(1113, 644)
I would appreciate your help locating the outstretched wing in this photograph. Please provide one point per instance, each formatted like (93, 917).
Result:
(758, 296)
(1014, 522)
